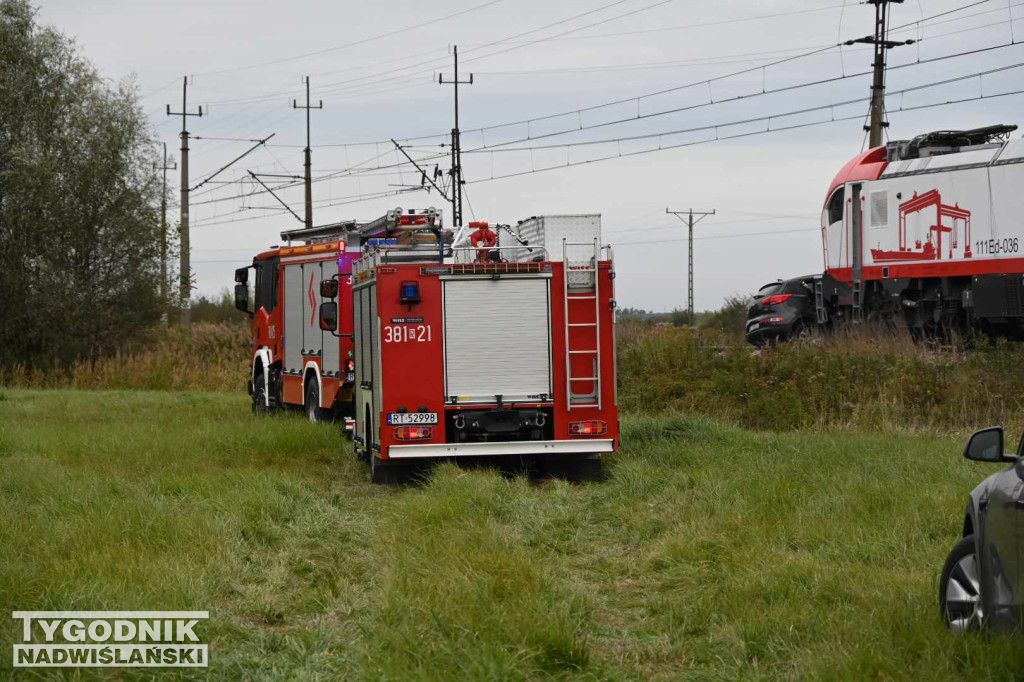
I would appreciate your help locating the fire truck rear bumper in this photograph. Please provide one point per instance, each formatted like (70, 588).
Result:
(522, 447)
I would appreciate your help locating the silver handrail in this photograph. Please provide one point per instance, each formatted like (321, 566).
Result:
(455, 251)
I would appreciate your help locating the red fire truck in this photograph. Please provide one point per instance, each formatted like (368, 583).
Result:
(477, 349)
(301, 332)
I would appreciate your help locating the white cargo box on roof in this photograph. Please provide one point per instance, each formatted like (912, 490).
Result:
(548, 231)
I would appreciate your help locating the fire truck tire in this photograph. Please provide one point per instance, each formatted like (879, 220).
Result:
(381, 474)
(259, 395)
(314, 413)
(575, 469)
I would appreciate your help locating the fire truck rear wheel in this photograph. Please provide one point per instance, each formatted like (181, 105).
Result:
(575, 469)
(380, 474)
(314, 413)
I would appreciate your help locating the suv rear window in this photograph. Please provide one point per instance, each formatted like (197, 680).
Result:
(770, 289)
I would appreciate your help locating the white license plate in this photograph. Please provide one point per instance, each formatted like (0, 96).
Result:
(754, 327)
(402, 418)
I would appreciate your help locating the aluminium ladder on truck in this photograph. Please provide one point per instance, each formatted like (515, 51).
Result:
(581, 289)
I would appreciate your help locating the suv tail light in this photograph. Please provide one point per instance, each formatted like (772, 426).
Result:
(593, 427)
(413, 432)
(777, 298)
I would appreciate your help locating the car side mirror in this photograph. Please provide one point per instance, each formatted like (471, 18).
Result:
(329, 288)
(242, 298)
(986, 445)
(329, 316)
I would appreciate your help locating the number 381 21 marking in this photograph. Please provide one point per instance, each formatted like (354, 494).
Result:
(402, 333)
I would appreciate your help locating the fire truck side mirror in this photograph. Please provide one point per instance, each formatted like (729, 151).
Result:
(242, 298)
(329, 288)
(329, 316)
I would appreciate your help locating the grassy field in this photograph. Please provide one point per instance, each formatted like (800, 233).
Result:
(709, 553)
(867, 378)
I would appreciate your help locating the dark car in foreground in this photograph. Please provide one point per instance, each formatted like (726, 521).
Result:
(982, 582)
(781, 311)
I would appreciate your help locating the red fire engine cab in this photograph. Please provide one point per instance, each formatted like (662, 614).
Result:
(301, 332)
(478, 349)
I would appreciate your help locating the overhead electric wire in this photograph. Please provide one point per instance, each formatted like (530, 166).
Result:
(720, 138)
(577, 112)
(741, 221)
(355, 43)
(661, 134)
(697, 61)
(352, 171)
(705, 24)
(329, 176)
(719, 236)
(681, 145)
(581, 111)
(703, 82)
(322, 89)
(257, 98)
(506, 146)
(377, 79)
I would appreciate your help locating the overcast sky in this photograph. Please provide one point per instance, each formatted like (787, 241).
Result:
(247, 60)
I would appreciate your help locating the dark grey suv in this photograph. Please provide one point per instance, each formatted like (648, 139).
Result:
(782, 310)
(982, 583)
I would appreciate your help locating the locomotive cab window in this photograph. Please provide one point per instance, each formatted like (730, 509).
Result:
(834, 209)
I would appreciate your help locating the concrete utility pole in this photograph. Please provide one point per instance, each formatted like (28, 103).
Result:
(457, 181)
(185, 276)
(163, 229)
(687, 217)
(882, 45)
(309, 152)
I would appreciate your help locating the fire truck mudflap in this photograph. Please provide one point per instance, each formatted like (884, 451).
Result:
(483, 358)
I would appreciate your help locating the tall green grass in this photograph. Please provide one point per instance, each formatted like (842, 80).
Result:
(870, 379)
(711, 552)
(207, 356)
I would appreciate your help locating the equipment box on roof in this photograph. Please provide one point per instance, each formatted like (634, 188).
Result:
(579, 231)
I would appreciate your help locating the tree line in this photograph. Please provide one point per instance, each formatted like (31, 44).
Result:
(80, 193)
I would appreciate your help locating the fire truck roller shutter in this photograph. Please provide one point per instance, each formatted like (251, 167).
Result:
(312, 339)
(293, 317)
(331, 362)
(373, 328)
(501, 348)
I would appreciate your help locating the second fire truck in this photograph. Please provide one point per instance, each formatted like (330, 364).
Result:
(301, 351)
